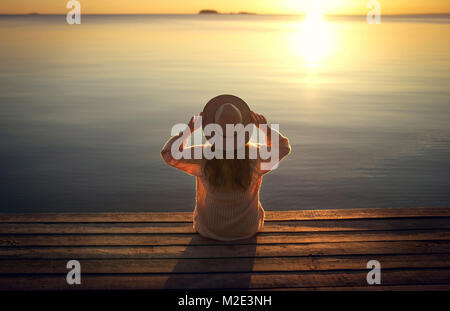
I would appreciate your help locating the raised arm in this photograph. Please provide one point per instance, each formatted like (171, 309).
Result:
(284, 148)
(188, 163)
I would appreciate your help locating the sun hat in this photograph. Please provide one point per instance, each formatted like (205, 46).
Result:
(215, 105)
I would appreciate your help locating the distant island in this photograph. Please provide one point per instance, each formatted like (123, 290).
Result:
(208, 12)
(217, 12)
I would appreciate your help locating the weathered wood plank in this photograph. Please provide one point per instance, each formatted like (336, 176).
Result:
(282, 226)
(196, 239)
(96, 217)
(270, 215)
(367, 213)
(227, 251)
(423, 287)
(226, 280)
(358, 224)
(258, 264)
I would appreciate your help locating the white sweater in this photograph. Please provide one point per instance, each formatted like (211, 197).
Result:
(230, 215)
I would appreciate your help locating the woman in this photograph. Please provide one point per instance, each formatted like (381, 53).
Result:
(227, 201)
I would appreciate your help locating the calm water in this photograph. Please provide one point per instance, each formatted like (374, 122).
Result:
(85, 110)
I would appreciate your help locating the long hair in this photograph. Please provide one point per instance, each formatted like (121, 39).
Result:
(235, 174)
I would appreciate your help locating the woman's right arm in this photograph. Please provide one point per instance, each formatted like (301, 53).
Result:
(189, 165)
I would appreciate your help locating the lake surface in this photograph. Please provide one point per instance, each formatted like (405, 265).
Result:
(85, 109)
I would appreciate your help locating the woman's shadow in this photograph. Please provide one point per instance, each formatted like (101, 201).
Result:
(209, 264)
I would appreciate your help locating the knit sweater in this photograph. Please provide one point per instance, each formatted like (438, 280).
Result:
(228, 215)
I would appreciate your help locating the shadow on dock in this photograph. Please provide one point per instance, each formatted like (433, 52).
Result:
(201, 266)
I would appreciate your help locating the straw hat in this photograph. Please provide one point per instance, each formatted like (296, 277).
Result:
(227, 109)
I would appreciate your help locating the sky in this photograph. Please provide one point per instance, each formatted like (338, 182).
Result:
(193, 6)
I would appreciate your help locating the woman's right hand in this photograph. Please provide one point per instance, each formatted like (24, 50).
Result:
(258, 119)
(195, 122)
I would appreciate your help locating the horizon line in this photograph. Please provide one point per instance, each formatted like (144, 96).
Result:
(231, 13)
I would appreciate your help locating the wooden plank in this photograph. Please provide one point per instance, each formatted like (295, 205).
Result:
(258, 264)
(227, 251)
(283, 226)
(358, 224)
(226, 280)
(414, 287)
(367, 213)
(96, 217)
(187, 216)
(196, 239)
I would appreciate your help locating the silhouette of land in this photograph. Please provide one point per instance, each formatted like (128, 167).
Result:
(230, 13)
(208, 12)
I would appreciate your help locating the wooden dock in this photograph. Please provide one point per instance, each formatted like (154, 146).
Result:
(297, 250)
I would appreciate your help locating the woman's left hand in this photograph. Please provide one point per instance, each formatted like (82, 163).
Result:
(258, 119)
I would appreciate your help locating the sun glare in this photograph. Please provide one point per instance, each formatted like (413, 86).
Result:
(313, 46)
(312, 38)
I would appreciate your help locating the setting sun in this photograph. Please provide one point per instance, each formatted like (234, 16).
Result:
(312, 39)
